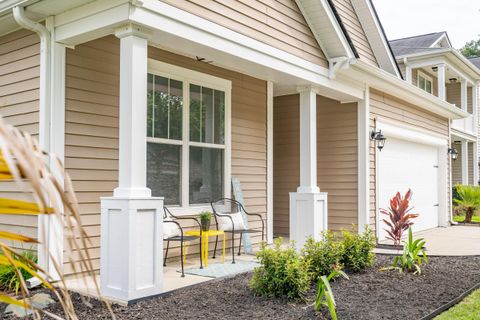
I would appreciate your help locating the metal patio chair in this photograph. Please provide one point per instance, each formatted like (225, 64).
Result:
(226, 208)
(169, 217)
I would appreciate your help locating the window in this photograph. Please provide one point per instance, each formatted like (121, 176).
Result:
(188, 144)
(424, 82)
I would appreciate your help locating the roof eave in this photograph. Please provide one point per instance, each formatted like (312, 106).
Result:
(387, 82)
(471, 67)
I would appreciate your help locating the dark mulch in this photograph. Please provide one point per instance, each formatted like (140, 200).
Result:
(371, 295)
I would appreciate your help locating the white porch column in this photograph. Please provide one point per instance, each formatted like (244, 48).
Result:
(131, 225)
(464, 162)
(463, 94)
(363, 124)
(408, 74)
(308, 206)
(475, 98)
(441, 81)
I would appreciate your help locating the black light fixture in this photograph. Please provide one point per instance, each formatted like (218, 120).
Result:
(453, 153)
(435, 69)
(379, 138)
(453, 80)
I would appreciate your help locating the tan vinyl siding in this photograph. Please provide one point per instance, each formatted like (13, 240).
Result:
(278, 23)
(355, 30)
(453, 94)
(387, 107)
(457, 165)
(286, 155)
(337, 163)
(19, 106)
(336, 160)
(92, 130)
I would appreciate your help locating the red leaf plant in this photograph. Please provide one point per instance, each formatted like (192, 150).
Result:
(400, 218)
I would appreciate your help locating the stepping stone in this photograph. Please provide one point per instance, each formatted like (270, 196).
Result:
(39, 300)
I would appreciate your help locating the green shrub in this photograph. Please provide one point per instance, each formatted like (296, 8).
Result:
(323, 256)
(283, 273)
(357, 250)
(9, 280)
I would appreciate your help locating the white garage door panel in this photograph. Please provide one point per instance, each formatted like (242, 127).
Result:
(403, 165)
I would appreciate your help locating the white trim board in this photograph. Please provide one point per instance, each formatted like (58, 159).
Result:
(410, 134)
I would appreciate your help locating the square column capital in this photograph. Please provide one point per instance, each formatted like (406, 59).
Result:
(307, 89)
(133, 29)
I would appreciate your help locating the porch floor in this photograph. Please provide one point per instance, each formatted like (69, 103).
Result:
(171, 276)
(450, 241)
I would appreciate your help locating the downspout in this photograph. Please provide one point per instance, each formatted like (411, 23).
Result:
(44, 114)
(450, 175)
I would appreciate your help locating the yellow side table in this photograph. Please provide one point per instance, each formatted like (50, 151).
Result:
(205, 236)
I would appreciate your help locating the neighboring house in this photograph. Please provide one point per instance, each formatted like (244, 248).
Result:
(281, 94)
(429, 62)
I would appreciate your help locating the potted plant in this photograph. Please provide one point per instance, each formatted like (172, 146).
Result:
(205, 218)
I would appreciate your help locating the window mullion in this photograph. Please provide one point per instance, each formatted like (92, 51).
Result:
(185, 147)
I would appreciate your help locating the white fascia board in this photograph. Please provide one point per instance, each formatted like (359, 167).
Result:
(373, 31)
(463, 135)
(317, 12)
(83, 26)
(7, 5)
(389, 83)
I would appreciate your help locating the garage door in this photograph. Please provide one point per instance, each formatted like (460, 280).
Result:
(402, 165)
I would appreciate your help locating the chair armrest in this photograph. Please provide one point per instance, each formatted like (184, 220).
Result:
(190, 218)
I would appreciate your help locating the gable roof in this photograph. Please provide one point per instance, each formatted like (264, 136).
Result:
(418, 44)
(475, 61)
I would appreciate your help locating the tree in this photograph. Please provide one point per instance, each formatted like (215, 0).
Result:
(471, 49)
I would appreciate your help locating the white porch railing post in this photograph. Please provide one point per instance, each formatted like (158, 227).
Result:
(441, 81)
(131, 225)
(308, 206)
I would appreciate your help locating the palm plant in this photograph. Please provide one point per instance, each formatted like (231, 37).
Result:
(43, 175)
(413, 255)
(469, 200)
(399, 216)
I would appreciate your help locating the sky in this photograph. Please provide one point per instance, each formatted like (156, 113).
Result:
(404, 18)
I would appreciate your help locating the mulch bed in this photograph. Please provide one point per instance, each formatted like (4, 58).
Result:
(370, 295)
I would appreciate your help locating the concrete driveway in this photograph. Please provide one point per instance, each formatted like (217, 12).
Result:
(451, 241)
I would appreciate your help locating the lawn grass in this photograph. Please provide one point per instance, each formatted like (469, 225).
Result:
(461, 218)
(468, 309)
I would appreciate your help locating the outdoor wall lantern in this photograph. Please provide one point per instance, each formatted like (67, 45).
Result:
(453, 153)
(379, 138)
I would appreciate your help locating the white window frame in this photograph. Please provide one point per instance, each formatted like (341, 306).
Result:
(426, 78)
(188, 77)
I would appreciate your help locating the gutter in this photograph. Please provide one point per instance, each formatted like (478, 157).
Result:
(389, 83)
(44, 116)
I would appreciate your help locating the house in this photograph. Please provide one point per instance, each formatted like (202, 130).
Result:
(429, 62)
(294, 98)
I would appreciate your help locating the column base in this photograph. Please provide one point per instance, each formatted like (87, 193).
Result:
(131, 248)
(308, 216)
